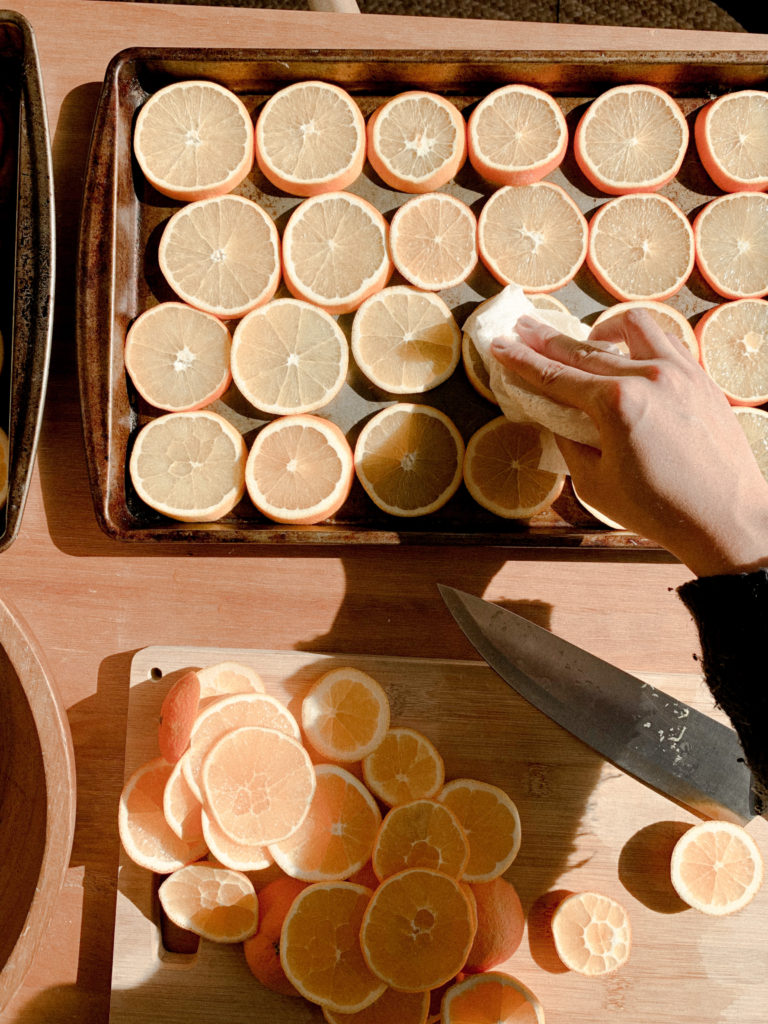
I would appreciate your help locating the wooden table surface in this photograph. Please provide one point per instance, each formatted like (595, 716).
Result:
(92, 603)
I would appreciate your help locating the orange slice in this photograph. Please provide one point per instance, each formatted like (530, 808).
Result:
(182, 809)
(754, 423)
(502, 468)
(733, 339)
(405, 766)
(491, 823)
(516, 135)
(194, 140)
(299, 470)
(408, 459)
(405, 341)
(177, 716)
(289, 357)
(226, 714)
(257, 785)
(221, 255)
(669, 319)
(335, 251)
(146, 836)
(215, 903)
(320, 949)
(345, 714)
(632, 138)
(420, 834)
(640, 247)
(731, 135)
(189, 465)
(230, 854)
(433, 241)
(491, 998)
(716, 867)
(336, 838)
(403, 1007)
(534, 236)
(227, 677)
(178, 357)
(417, 930)
(731, 235)
(310, 138)
(417, 141)
(592, 933)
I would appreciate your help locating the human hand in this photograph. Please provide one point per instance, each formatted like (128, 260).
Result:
(674, 465)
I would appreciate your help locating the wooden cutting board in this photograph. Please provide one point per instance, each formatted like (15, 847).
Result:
(586, 825)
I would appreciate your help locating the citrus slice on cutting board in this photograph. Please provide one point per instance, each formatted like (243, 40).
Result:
(420, 834)
(403, 1007)
(716, 867)
(669, 319)
(733, 342)
(336, 838)
(345, 714)
(222, 255)
(178, 357)
(640, 247)
(731, 135)
(408, 458)
(299, 470)
(754, 423)
(182, 809)
(216, 903)
(226, 677)
(194, 140)
(320, 947)
(231, 854)
(632, 138)
(491, 998)
(731, 234)
(433, 241)
(417, 930)
(534, 236)
(405, 766)
(516, 135)
(405, 341)
(592, 933)
(491, 822)
(336, 251)
(289, 357)
(310, 138)
(417, 141)
(189, 465)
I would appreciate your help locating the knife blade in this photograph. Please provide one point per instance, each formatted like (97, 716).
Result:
(666, 744)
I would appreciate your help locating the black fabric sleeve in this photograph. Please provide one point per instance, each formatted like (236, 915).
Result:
(731, 613)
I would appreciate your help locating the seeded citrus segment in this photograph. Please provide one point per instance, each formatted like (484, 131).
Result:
(405, 766)
(491, 822)
(299, 470)
(310, 138)
(516, 135)
(257, 785)
(754, 423)
(345, 714)
(216, 903)
(491, 998)
(632, 138)
(336, 838)
(417, 930)
(230, 854)
(534, 236)
(433, 241)
(420, 834)
(640, 247)
(417, 141)
(320, 947)
(731, 135)
(502, 468)
(403, 1007)
(146, 836)
(289, 357)
(669, 319)
(733, 339)
(189, 465)
(222, 255)
(592, 933)
(178, 357)
(408, 459)
(405, 341)
(336, 251)
(194, 140)
(731, 234)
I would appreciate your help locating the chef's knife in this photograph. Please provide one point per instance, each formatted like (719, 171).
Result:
(661, 741)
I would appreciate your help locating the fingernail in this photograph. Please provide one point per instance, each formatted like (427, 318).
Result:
(527, 323)
(503, 344)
